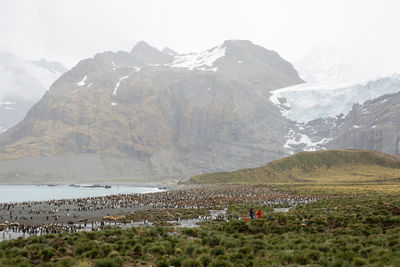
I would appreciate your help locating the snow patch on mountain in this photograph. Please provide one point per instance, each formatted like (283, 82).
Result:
(118, 84)
(82, 82)
(136, 69)
(200, 61)
(114, 66)
(295, 139)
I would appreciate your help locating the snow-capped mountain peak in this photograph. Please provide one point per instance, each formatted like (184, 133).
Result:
(325, 64)
(200, 61)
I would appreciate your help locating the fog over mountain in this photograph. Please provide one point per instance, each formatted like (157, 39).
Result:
(22, 84)
(364, 31)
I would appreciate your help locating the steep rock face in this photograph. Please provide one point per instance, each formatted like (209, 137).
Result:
(373, 125)
(163, 120)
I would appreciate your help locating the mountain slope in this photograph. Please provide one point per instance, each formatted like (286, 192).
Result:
(335, 166)
(372, 125)
(161, 119)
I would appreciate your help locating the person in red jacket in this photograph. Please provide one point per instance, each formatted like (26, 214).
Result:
(259, 213)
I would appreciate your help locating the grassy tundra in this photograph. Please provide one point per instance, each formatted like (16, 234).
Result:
(350, 231)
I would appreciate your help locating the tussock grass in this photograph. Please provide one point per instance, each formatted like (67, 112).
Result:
(340, 231)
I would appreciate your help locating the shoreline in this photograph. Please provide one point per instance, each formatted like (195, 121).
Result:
(20, 193)
(189, 197)
(133, 184)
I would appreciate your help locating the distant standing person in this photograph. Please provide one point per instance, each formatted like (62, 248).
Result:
(252, 213)
(259, 213)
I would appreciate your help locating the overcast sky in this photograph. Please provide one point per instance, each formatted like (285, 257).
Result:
(70, 30)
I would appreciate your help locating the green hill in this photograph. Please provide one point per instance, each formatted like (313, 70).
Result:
(332, 166)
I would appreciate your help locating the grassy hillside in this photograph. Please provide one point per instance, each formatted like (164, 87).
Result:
(333, 166)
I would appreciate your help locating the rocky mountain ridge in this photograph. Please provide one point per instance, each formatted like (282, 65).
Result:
(148, 113)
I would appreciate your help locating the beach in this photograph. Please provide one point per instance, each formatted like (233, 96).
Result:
(182, 202)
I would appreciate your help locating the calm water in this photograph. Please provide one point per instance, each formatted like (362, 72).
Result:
(19, 193)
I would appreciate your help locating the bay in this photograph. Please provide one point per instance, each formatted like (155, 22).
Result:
(21, 193)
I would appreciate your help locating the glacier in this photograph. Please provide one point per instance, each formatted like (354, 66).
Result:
(332, 88)
(310, 101)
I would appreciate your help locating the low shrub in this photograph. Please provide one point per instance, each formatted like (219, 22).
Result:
(216, 251)
(191, 263)
(108, 263)
(176, 262)
(220, 263)
(162, 263)
(205, 260)
(47, 254)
